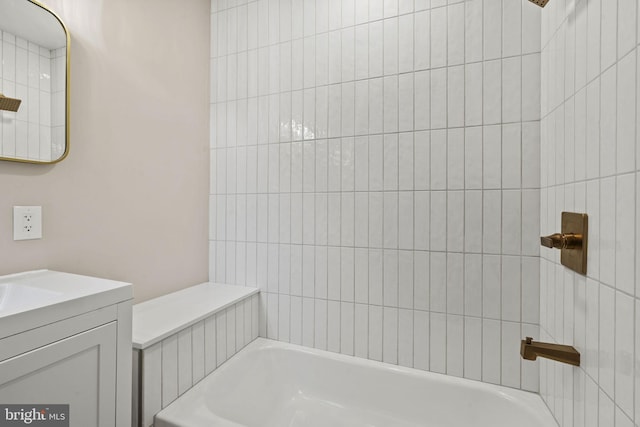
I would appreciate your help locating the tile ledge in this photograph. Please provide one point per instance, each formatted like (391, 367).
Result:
(161, 317)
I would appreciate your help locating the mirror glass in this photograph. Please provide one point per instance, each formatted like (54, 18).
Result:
(34, 78)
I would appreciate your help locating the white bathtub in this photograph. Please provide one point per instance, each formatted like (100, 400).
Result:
(273, 384)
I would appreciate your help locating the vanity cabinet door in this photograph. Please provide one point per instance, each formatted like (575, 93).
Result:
(78, 371)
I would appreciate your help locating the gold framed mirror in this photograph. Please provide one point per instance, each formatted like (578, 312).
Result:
(34, 83)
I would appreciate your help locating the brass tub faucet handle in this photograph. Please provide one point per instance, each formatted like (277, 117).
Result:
(552, 241)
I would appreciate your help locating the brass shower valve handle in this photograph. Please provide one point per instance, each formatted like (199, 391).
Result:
(562, 241)
(573, 241)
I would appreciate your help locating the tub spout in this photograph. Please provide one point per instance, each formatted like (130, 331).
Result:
(530, 350)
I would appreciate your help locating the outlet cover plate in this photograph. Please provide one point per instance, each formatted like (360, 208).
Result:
(27, 222)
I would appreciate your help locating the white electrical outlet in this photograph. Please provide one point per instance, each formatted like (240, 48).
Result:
(27, 222)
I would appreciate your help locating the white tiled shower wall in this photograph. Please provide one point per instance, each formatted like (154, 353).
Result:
(36, 75)
(375, 171)
(589, 158)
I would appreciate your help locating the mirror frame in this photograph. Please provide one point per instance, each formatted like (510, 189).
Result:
(67, 92)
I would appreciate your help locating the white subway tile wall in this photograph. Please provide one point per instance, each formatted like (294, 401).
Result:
(36, 75)
(589, 163)
(375, 172)
(174, 365)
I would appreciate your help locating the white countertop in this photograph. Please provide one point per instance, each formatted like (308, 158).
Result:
(36, 298)
(158, 318)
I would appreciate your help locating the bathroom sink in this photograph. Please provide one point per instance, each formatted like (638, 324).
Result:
(35, 298)
(19, 297)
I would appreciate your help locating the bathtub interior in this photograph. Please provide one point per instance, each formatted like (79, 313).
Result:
(269, 384)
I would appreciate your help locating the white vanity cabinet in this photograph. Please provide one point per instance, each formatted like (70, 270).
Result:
(73, 348)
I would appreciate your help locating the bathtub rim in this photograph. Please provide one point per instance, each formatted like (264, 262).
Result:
(191, 398)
